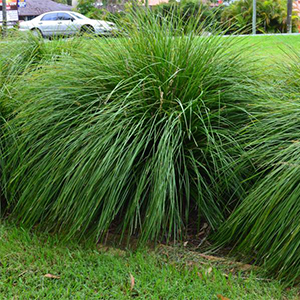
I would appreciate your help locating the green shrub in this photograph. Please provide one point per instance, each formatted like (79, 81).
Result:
(16, 58)
(22, 56)
(265, 226)
(19, 58)
(138, 134)
(85, 6)
(185, 10)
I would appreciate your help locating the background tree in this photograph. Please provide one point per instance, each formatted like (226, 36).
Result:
(271, 16)
(68, 2)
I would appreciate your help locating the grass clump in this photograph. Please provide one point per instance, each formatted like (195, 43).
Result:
(265, 226)
(19, 59)
(22, 56)
(138, 134)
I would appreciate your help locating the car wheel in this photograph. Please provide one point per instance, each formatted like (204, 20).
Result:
(37, 33)
(87, 29)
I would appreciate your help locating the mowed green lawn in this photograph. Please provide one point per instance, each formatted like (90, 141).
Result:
(34, 267)
(272, 48)
(40, 267)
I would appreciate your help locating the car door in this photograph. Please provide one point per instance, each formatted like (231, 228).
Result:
(66, 24)
(48, 24)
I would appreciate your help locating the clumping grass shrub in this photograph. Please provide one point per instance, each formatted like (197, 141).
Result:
(265, 226)
(19, 58)
(138, 133)
(16, 58)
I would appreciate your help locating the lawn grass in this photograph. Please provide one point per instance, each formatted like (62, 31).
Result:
(272, 48)
(107, 273)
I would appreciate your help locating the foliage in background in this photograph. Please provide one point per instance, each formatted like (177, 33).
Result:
(138, 134)
(68, 2)
(237, 17)
(271, 16)
(185, 10)
(85, 7)
(88, 8)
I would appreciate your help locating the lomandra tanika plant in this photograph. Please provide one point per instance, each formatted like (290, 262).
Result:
(19, 58)
(266, 225)
(138, 133)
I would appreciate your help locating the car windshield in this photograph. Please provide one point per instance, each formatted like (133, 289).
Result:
(78, 16)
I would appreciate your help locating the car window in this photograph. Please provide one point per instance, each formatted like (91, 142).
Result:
(49, 17)
(64, 16)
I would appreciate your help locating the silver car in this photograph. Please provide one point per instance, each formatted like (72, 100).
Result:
(66, 23)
